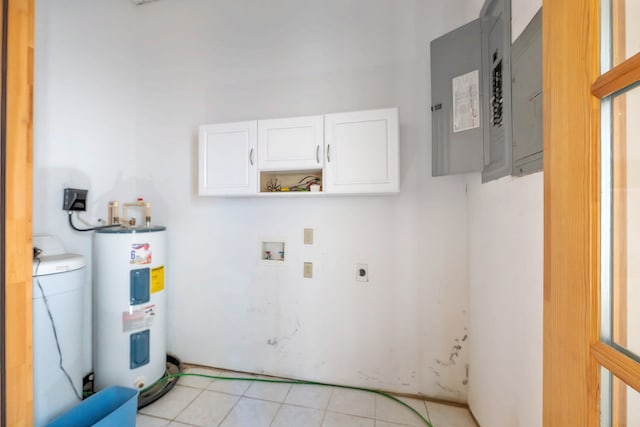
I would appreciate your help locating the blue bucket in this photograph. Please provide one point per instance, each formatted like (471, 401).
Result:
(114, 406)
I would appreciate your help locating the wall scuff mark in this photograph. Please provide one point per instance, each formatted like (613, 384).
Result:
(447, 389)
(465, 381)
(455, 351)
(448, 373)
(368, 377)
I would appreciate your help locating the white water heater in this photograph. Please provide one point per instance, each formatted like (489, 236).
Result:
(129, 306)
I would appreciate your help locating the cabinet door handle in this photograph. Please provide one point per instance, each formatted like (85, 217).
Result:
(329, 153)
(251, 157)
(317, 154)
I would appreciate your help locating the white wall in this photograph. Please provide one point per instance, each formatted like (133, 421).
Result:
(84, 116)
(226, 61)
(135, 84)
(505, 267)
(506, 288)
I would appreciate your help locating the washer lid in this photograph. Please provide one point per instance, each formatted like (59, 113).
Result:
(52, 264)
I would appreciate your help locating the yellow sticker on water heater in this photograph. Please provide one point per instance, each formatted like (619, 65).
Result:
(157, 279)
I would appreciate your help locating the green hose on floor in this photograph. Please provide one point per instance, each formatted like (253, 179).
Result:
(265, 380)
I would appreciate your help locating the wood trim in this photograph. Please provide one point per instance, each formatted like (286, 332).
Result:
(619, 77)
(3, 139)
(619, 364)
(619, 249)
(619, 31)
(619, 232)
(619, 268)
(571, 218)
(18, 208)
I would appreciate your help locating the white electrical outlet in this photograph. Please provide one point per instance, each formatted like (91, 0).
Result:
(362, 272)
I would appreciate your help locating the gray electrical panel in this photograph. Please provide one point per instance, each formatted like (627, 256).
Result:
(496, 85)
(456, 101)
(526, 93)
(466, 138)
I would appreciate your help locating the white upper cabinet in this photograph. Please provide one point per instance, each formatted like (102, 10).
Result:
(343, 153)
(361, 152)
(228, 159)
(290, 144)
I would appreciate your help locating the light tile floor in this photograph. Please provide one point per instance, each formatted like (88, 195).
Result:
(198, 401)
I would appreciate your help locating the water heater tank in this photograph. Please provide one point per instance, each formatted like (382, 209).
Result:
(129, 306)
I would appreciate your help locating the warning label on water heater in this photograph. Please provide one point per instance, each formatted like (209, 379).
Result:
(157, 279)
(140, 253)
(141, 318)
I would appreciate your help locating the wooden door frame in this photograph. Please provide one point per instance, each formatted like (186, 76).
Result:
(619, 249)
(573, 88)
(3, 146)
(17, 246)
(571, 212)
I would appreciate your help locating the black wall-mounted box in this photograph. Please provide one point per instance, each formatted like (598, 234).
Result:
(74, 199)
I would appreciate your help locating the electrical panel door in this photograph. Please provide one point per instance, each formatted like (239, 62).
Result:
(526, 54)
(456, 119)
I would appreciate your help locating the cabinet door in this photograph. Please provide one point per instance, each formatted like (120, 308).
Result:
(361, 150)
(290, 144)
(227, 159)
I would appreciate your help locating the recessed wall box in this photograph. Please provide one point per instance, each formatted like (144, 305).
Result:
(272, 251)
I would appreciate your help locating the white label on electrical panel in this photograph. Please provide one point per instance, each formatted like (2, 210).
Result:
(141, 318)
(140, 253)
(466, 101)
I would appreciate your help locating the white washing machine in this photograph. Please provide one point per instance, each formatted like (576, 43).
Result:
(61, 277)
